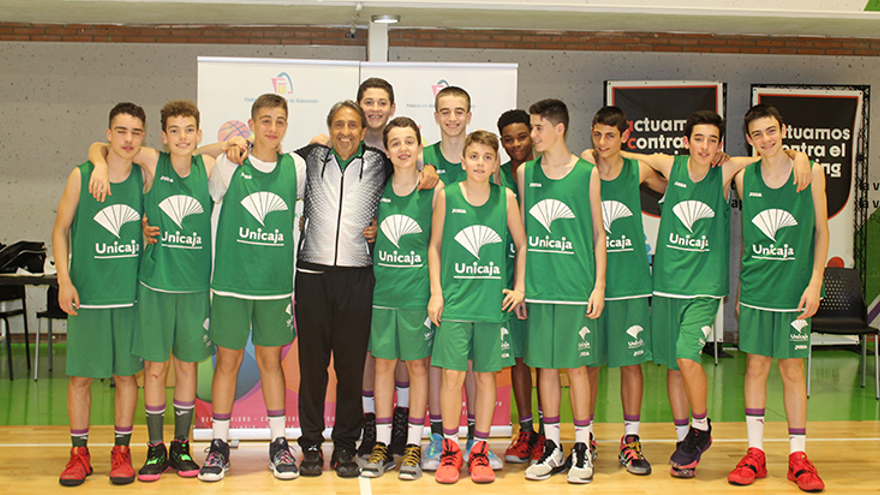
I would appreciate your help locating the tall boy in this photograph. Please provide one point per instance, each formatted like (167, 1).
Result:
(515, 130)
(626, 334)
(98, 290)
(252, 282)
(565, 282)
(690, 275)
(466, 259)
(174, 275)
(785, 239)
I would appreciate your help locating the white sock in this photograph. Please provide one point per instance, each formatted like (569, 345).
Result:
(755, 428)
(551, 432)
(402, 395)
(383, 433)
(369, 403)
(700, 424)
(681, 431)
(414, 433)
(581, 434)
(797, 442)
(276, 427)
(221, 429)
(631, 428)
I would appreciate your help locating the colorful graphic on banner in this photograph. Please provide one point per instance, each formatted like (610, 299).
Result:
(823, 124)
(657, 112)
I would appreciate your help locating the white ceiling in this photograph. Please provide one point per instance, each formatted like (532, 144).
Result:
(730, 17)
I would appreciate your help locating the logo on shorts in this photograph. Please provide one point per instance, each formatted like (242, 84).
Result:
(289, 311)
(634, 332)
(429, 333)
(800, 336)
(706, 331)
(584, 344)
(505, 345)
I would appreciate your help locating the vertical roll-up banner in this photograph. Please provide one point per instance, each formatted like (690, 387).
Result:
(823, 123)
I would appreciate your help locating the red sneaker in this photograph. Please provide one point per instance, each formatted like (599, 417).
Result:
(121, 472)
(753, 465)
(520, 450)
(803, 472)
(450, 463)
(78, 467)
(478, 464)
(538, 450)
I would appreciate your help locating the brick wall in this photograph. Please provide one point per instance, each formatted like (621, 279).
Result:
(445, 38)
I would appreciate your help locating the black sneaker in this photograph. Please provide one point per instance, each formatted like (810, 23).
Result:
(217, 462)
(157, 463)
(281, 461)
(369, 437)
(631, 456)
(343, 462)
(179, 459)
(399, 430)
(380, 461)
(313, 461)
(688, 452)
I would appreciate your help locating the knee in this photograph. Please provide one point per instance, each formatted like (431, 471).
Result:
(792, 370)
(229, 361)
(80, 383)
(269, 364)
(154, 369)
(186, 370)
(385, 366)
(125, 381)
(418, 369)
(453, 379)
(579, 372)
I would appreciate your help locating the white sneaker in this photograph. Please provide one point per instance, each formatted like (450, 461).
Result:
(552, 462)
(431, 457)
(581, 470)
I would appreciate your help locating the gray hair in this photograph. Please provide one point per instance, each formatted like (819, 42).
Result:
(350, 104)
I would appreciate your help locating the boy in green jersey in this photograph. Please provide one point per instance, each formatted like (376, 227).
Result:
(690, 275)
(626, 334)
(785, 239)
(98, 290)
(515, 130)
(401, 331)
(466, 259)
(175, 272)
(565, 282)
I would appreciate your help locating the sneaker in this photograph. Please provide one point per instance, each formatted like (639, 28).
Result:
(753, 465)
(78, 467)
(538, 450)
(495, 462)
(450, 463)
(217, 462)
(478, 464)
(581, 470)
(342, 461)
(631, 456)
(411, 464)
(520, 449)
(179, 459)
(313, 461)
(688, 452)
(369, 437)
(552, 462)
(157, 463)
(594, 448)
(803, 472)
(380, 461)
(281, 460)
(121, 472)
(399, 430)
(431, 459)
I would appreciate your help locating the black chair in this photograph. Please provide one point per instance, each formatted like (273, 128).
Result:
(53, 312)
(843, 312)
(8, 294)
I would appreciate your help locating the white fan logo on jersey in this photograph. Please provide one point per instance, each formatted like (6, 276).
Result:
(611, 211)
(584, 331)
(799, 325)
(548, 210)
(396, 226)
(180, 206)
(260, 204)
(476, 236)
(634, 331)
(773, 219)
(690, 211)
(114, 217)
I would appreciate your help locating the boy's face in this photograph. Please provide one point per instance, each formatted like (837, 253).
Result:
(765, 134)
(544, 133)
(403, 147)
(125, 135)
(607, 140)
(181, 135)
(517, 141)
(346, 132)
(703, 143)
(378, 107)
(452, 115)
(269, 127)
(479, 161)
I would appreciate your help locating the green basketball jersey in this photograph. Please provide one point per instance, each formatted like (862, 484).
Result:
(560, 262)
(181, 207)
(508, 181)
(254, 252)
(629, 274)
(449, 172)
(779, 236)
(693, 243)
(400, 254)
(473, 261)
(105, 242)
